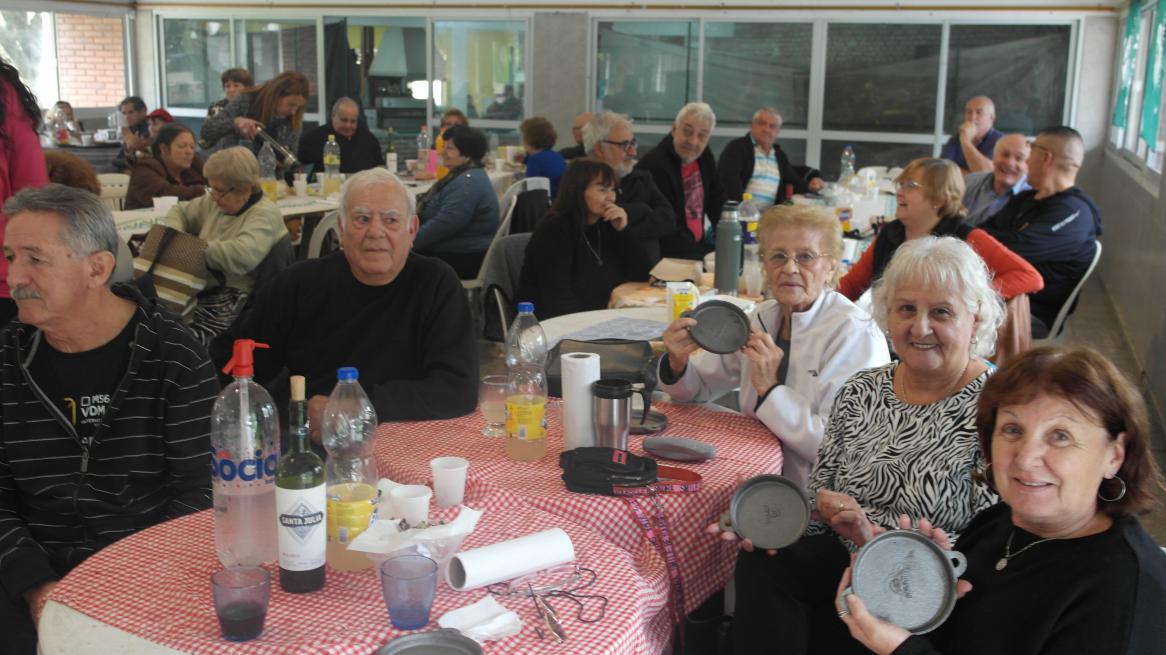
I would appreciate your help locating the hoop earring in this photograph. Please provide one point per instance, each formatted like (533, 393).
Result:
(1121, 494)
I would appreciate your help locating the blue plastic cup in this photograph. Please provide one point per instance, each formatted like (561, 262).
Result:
(409, 583)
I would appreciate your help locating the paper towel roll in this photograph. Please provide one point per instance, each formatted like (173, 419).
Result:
(579, 371)
(507, 560)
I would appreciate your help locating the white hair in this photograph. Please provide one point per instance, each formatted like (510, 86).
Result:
(768, 111)
(944, 263)
(701, 110)
(600, 126)
(372, 177)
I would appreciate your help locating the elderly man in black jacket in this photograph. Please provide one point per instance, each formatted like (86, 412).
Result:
(105, 402)
(755, 163)
(608, 137)
(684, 170)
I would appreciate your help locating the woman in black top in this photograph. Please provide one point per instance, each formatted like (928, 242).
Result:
(1061, 565)
(583, 248)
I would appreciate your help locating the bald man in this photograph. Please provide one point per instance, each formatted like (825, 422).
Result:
(989, 191)
(359, 149)
(577, 150)
(972, 145)
(1054, 224)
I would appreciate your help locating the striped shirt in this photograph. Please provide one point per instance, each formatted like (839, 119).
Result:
(766, 180)
(149, 459)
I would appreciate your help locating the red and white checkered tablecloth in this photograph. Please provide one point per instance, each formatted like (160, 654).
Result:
(155, 585)
(744, 446)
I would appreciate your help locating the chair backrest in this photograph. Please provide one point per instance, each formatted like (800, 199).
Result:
(113, 189)
(525, 184)
(326, 225)
(502, 231)
(501, 271)
(529, 208)
(281, 255)
(1059, 321)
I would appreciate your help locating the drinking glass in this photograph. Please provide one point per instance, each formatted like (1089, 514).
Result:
(492, 401)
(409, 583)
(241, 596)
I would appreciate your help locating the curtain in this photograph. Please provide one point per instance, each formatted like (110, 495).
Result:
(1129, 61)
(1152, 97)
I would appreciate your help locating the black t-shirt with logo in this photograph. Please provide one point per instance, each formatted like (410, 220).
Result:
(81, 384)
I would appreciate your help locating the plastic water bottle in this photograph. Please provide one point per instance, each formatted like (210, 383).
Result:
(526, 343)
(728, 249)
(244, 457)
(748, 215)
(349, 427)
(423, 145)
(267, 172)
(847, 165)
(332, 156)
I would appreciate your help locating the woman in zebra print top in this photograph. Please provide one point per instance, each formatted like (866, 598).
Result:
(901, 440)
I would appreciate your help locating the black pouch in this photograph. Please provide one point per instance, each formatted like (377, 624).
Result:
(599, 469)
(618, 358)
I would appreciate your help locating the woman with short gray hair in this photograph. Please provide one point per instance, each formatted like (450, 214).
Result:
(240, 227)
(902, 439)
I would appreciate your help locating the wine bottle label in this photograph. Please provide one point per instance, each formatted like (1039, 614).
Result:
(302, 527)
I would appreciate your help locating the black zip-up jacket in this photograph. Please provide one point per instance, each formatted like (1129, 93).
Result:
(664, 165)
(736, 169)
(149, 460)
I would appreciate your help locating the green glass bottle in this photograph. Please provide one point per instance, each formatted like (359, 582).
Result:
(300, 502)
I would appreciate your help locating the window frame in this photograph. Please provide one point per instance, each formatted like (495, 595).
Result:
(1141, 156)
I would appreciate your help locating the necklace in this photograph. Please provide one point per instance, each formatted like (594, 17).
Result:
(902, 380)
(1008, 554)
(597, 251)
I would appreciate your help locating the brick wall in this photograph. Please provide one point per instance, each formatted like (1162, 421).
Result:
(91, 59)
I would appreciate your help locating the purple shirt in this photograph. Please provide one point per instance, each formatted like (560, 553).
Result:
(953, 151)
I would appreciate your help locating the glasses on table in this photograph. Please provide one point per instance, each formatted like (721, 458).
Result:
(492, 402)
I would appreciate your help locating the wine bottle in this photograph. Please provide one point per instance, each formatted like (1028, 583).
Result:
(301, 500)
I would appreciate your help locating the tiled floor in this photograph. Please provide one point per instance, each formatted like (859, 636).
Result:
(1091, 325)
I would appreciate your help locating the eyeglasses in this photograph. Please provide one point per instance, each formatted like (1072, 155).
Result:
(627, 146)
(907, 185)
(218, 193)
(802, 258)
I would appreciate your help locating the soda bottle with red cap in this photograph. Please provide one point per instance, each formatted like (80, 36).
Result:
(244, 461)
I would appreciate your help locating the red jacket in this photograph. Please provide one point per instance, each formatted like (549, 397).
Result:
(22, 164)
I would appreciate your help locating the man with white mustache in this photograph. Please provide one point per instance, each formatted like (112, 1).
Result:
(988, 191)
(685, 171)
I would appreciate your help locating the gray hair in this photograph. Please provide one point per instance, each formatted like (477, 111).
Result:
(344, 100)
(89, 225)
(236, 167)
(701, 110)
(944, 263)
(768, 111)
(372, 177)
(600, 126)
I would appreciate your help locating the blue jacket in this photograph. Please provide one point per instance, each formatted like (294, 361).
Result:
(548, 164)
(462, 218)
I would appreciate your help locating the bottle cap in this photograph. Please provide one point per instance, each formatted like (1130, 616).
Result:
(347, 373)
(242, 363)
(746, 196)
(331, 137)
(525, 307)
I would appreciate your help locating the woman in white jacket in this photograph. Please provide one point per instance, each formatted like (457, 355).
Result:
(804, 344)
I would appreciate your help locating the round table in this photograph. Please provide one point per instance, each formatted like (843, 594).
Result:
(560, 326)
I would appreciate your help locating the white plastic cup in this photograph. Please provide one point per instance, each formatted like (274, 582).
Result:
(411, 502)
(301, 186)
(449, 480)
(500, 164)
(163, 204)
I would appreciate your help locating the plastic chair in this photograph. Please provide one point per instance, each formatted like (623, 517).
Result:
(323, 228)
(500, 280)
(113, 189)
(1059, 322)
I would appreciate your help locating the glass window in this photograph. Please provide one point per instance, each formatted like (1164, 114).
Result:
(1023, 68)
(881, 77)
(753, 65)
(646, 69)
(869, 153)
(478, 67)
(268, 48)
(28, 46)
(376, 62)
(196, 53)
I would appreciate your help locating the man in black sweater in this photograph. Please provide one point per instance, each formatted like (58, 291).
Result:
(359, 149)
(684, 170)
(755, 163)
(399, 317)
(1054, 225)
(105, 402)
(608, 137)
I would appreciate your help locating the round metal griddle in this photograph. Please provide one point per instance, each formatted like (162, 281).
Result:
(437, 642)
(769, 510)
(721, 327)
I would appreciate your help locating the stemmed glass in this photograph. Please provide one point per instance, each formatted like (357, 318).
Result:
(492, 401)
